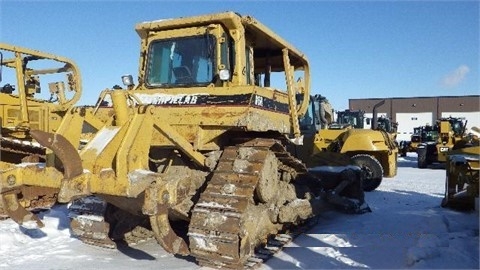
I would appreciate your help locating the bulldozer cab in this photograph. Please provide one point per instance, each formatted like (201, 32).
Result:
(230, 72)
(447, 134)
(429, 133)
(450, 130)
(318, 118)
(225, 51)
(197, 54)
(417, 135)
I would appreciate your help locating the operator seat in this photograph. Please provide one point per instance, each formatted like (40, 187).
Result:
(182, 75)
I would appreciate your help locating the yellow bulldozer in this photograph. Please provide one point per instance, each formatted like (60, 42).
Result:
(24, 73)
(21, 106)
(374, 150)
(205, 150)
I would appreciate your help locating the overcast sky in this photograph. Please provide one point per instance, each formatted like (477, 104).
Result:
(357, 49)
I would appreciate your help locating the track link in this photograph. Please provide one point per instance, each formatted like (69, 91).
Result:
(217, 233)
(88, 223)
(15, 150)
(276, 243)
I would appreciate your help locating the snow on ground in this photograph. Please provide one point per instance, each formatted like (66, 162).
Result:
(407, 229)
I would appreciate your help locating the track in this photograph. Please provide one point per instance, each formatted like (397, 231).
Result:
(254, 204)
(234, 214)
(262, 254)
(91, 218)
(276, 243)
(222, 228)
(20, 150)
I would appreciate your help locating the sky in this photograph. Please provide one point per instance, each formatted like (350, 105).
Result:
(356, 49)
(407, 229)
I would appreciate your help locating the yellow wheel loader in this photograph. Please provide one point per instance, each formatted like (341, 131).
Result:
(374, 150)
(421, 134)
(449, 132)
(202, 150)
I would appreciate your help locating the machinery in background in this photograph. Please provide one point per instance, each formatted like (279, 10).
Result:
(462, 177)
(451, 131)
(24, 73)
(22, 108)
(374, 150)
(421, 134)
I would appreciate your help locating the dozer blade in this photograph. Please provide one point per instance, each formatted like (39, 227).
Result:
(342, 187)
(63, 149)
(19, 214)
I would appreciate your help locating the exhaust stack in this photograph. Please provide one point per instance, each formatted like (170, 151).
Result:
(374, 112)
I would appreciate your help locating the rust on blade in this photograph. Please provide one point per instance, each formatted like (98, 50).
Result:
(63, 149)
(17, 212)
(166, 236)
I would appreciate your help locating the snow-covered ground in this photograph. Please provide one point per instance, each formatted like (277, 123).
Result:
(407, 229)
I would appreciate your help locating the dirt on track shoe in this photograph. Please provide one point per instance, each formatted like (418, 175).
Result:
(88, 223)
(95, 222)
(249, 198)
(17, 151)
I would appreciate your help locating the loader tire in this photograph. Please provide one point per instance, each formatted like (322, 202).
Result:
(403, 148)
(422, 161)
(372, 168)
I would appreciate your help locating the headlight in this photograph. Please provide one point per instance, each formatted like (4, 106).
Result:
(224, 74)
(127, 80)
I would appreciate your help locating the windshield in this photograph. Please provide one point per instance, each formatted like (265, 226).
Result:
(457, 126)
(181, 61)
(384, 124)
(430, 136)
(306, 122)
(348, 119)
(352, 119)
